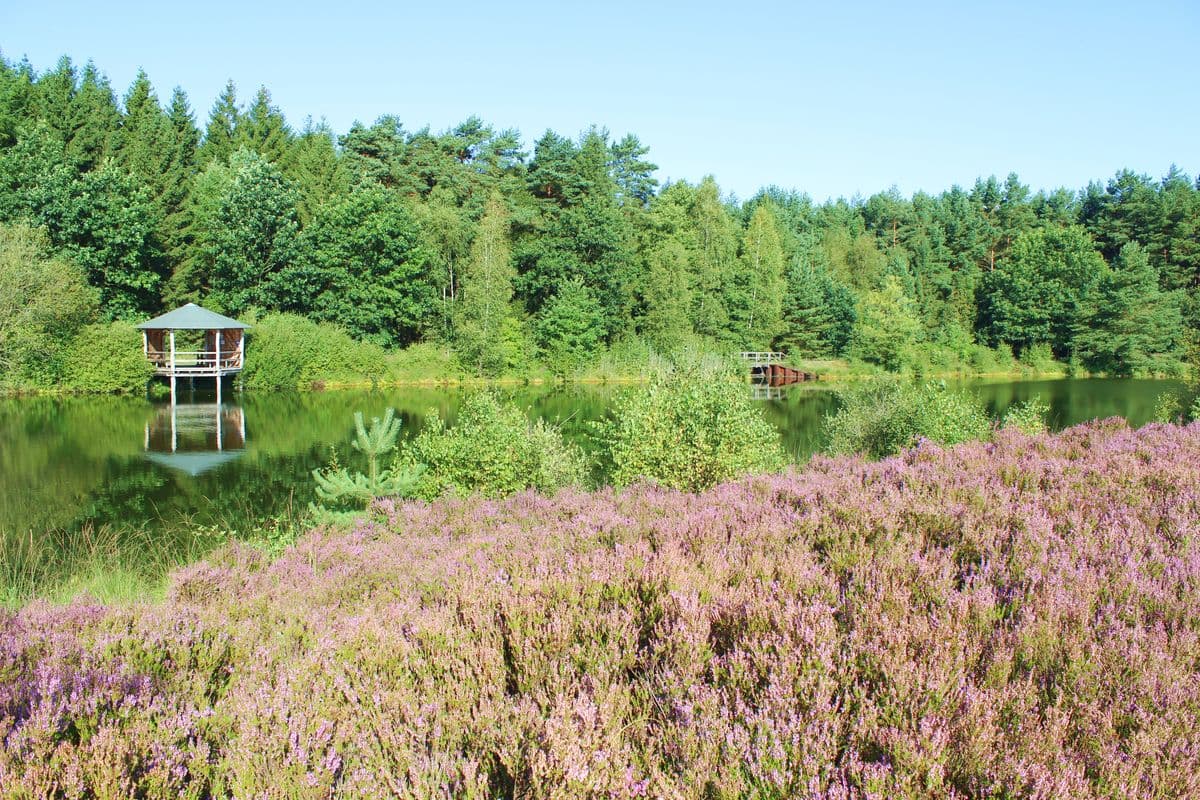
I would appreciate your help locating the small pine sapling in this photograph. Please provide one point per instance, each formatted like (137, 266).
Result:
(337, 484)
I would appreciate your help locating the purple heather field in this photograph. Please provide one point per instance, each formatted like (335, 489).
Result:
(1011, 619)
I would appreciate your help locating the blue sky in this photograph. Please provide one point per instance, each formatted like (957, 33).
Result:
(832, 99)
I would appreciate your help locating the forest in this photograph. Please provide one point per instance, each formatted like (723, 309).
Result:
(115, 208)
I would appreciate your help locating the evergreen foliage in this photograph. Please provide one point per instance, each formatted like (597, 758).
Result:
(383, 230)
(337, 485)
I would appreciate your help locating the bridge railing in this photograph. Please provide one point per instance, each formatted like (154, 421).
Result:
(757, 359)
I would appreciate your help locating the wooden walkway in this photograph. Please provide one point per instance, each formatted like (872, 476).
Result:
(768, 368)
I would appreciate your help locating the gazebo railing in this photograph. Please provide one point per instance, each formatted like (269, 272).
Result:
(196, 362)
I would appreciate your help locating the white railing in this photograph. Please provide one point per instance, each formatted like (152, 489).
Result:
(758, 359)
(196, 362)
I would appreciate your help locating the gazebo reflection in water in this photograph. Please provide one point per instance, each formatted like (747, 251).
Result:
(195, 437)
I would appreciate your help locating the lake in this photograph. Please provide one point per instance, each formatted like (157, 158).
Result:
(123, 464)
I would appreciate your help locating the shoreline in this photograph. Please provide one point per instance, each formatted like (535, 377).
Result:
(839, 373)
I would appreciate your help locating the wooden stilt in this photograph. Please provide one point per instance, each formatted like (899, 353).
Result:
(217, 338)
(172, 388)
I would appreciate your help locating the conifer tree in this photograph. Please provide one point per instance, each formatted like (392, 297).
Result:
(263, 129)
(220, 136)
(313, 166)
(570, 327)
(1130, 325)
(94, 120)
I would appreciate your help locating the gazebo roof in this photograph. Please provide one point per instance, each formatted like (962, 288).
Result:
(192, 318)
(194, 463)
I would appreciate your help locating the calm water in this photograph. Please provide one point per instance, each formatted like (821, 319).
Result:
(124, 463)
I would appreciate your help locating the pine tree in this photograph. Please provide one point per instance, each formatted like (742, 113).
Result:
(94, 120)
(570, 327)
(220, 136)
(313, 166)
(1129, 325)
(263, 129)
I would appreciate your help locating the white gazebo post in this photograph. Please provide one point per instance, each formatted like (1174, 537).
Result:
(217, 339)
(172, 366)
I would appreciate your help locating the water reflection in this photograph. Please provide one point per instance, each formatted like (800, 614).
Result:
(195, 437)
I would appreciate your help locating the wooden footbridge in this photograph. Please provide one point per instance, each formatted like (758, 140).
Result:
(769, 369)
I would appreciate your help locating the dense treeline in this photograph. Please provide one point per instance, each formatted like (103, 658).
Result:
(468, 239)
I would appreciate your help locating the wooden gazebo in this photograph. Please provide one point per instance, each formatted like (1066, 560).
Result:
(223, 352)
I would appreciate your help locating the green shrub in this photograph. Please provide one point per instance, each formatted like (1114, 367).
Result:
(107, 357)
(883, 417)
(689, 434)
(44, 300)
(1039, 358)
(1028, 417)
(289, 351)
(494, 450)
(425, 361)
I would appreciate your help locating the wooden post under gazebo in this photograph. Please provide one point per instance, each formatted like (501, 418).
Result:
(224, 345)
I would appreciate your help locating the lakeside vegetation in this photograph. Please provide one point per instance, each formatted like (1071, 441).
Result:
(386, 254)
(990, 620)
(678, 431)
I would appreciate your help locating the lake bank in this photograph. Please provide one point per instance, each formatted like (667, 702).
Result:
(87, 479)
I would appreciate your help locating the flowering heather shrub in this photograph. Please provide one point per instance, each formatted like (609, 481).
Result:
(1009, 619)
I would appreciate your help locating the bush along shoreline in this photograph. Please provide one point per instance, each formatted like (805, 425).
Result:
(1011, 618)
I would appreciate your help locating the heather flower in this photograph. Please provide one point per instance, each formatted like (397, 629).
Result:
(1014, 618)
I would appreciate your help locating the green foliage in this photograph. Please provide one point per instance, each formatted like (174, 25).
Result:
(1037, 358)
(251, 235)
(336, 484)
(688, 433)
(107, 357)
(570, 328)
(756, 294)
(485, 315)
(287, 351)
(1028, 417)
(494, 450)
(1038, 294)
(883, 417)
(1130, 326)
(818, 313)
(887, 328)
(102, 220)
(43, 301)
(405, 237)
(362, 267)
